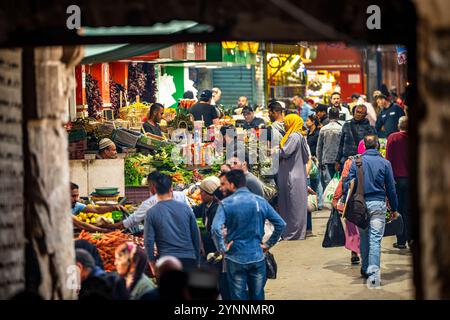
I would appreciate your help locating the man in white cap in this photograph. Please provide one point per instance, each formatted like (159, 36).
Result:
(107, 149)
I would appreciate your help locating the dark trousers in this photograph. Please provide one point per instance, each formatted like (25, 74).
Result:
(402, 188)
(188, 264)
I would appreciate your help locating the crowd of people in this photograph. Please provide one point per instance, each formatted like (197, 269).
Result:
(229, 256)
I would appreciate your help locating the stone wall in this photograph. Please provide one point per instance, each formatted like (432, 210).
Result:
(12, 245)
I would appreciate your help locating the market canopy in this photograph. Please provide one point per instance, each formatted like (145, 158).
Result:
(115, 53)
(109, 53)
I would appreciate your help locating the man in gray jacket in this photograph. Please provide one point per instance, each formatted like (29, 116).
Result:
(328, 146)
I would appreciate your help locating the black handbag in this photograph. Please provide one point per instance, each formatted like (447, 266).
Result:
(271, 266)
(356, 208)
(334, 234)
(395, 227)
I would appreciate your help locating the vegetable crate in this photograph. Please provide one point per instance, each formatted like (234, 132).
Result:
(137, 194)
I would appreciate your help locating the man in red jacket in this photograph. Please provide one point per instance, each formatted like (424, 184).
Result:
(397, 154)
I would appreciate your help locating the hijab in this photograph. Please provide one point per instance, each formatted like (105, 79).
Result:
(295, 124)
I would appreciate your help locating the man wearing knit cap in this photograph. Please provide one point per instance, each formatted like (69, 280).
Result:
(207, 210)
(107, 149)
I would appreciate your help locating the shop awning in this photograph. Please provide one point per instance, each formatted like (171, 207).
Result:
(109, 53)
(115, 53)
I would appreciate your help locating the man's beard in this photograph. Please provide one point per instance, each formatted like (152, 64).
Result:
(227, 193)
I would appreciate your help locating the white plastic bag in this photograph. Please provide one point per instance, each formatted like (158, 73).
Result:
(329, 191)
(312, 203)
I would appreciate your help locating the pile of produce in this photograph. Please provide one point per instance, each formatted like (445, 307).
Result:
(107, 243)
(98, 219)
(137, 167)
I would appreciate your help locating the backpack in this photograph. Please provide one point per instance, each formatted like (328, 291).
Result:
(356, 208)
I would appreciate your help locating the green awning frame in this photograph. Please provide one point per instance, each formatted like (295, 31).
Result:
(124, 52)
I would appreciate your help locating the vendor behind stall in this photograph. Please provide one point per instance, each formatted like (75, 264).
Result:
(251, 122)
(204, 111)
(78, 207)
(153, 119)
(107, 149)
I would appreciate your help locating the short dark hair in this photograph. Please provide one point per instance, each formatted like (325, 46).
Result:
(154, 108)
(381, 96)
(247, 109)
(321, 108)
(163, 184)
(223, 129)
(314, 119)
(153, 176)
(74, 186)
(333, 113)
(84, 258)
(188, 95)
(275, 107)
(236, 177)
(334, 93)
(223, 174)
(371, 141)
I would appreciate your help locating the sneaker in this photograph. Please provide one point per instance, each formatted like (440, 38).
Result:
(399, 246)
(373, 282)
(364, 275)
(354, 259)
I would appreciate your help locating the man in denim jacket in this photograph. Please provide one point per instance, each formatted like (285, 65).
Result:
(243, 214)
(378, 183)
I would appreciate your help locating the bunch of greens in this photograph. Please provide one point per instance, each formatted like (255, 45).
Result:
(137, 167)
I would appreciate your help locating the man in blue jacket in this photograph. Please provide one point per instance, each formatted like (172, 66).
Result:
(389, 116)
(378, 183)
(243, 214)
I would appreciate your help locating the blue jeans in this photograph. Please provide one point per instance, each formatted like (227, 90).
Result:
(243, 276)
(370, 238)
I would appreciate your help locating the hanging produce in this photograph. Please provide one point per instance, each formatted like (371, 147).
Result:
(136, 81)
(115, 91)
(149, 94)
(94, 97)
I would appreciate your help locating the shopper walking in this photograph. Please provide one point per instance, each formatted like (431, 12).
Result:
(243, 214)
(378, 183)
(353, 132)
(397, 154)
(292, 183)
(328, 146)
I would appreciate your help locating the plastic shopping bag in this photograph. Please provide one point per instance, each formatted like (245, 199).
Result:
(312, 203)
(329, 191)
(334, 234)
(271, 266)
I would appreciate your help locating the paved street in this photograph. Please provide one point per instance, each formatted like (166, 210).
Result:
(308, 271)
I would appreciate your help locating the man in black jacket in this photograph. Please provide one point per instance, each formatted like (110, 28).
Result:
(353, 132)
(389, 116)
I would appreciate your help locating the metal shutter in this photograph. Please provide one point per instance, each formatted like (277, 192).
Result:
(235, 82)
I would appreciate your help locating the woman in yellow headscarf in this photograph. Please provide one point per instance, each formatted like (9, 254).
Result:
(292, 181)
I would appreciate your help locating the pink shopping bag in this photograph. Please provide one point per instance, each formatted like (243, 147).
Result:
(351, 236)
